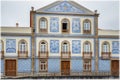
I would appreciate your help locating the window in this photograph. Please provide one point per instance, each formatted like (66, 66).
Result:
(87, 26)
(65, 49)
(87, 65)
(43, 46)
(65, 46)
(43, 65)
(106, 47)
(105, 50)
(43, 25)
(1, 48)
(43, 52)
(23, 49)
(87, 47)
(65, 25)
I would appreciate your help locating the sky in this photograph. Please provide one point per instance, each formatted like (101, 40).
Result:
(18, 11)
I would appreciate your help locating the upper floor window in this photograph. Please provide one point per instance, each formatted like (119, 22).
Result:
(43, 25)
(43, 52)
(87, 47)
(1, 48)
(105, 50)
(43, 46)
(65, 49)
(86, 26)
(23, 49)
(65, 26)
(106, 47)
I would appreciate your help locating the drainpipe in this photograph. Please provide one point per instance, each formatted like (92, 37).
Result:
(96, 15)
(32, 13)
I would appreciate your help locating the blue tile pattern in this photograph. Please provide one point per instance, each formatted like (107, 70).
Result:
(76, 25)
(24, 65)
(77, 65)
(54, 46)
(104, 65)
(54, 65)
(10, 46)
(54, 24)
(93, 65)
(115, 47)
(64, 7)
(36, 65)
(2, 65)
(76, 46)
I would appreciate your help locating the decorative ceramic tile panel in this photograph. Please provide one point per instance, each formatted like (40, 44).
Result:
(54, 46)
(10, 46)
(115, 47)
(76, 25)
(54, 24)
(64, 7)
(76, 46)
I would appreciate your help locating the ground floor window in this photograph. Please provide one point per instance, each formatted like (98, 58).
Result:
(87, 65)
(43, 65)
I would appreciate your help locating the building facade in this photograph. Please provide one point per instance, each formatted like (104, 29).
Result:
(63, 39)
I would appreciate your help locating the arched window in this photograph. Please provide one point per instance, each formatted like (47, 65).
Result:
(43, 49)
(43, 25)
(105, 50)
(23, 49)
(87, 47)
(86, 26)
(65, 26)
(65, 47)
(1, 48)
(105, 47)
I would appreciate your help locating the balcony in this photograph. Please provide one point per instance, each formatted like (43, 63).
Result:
(43, 30)
(86, 31)
(105, 55)
(87, 55)
(22, 54)
(65, 55)
(43, 54)
(2, 54)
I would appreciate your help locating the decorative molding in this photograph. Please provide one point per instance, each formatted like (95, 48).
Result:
(54, 46)
(54, 24)
(10, 45)
(76, 25)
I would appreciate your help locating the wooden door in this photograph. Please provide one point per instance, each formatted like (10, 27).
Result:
(65, 68)
(115, 67)
(10, 67)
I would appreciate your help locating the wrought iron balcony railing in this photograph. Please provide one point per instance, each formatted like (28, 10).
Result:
(105, 55)
(86, 31)
(87, 55)
(43, 54)
(65, 54)
(22, 54)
